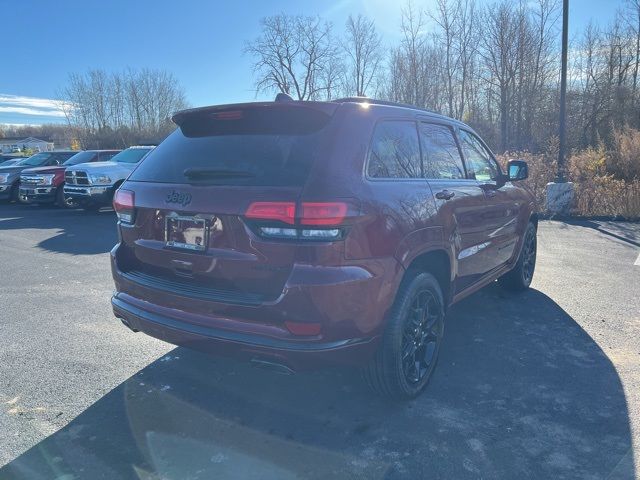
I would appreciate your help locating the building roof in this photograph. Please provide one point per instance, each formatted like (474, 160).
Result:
(20, 140)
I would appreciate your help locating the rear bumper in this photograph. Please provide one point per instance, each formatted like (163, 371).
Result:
(37, 194)
(350, 307)
(295, 355)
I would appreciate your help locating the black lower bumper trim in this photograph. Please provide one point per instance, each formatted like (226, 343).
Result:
(125, 310)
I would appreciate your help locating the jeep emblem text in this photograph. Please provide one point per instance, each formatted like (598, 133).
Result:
(183, 199)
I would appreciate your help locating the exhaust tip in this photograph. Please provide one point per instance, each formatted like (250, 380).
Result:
(272, 366)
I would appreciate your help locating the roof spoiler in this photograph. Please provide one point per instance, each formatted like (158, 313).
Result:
(281, 100)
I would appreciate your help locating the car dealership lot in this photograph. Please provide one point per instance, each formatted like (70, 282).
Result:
(539, 385)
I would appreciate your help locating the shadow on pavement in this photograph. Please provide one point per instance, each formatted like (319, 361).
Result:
(624, 231)
(77, 232)
(521, 391)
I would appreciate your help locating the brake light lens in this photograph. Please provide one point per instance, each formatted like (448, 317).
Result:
(311, 214)
(124, 205)
(229, 115)
(280, 211)
(326, 213)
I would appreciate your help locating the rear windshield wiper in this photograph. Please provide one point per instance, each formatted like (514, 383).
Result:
(215, 173)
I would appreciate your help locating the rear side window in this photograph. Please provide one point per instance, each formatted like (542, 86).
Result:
(254, 147)
(395, 151)
(440, 152)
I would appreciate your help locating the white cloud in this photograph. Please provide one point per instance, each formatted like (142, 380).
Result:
(32, 111)
(31, 106)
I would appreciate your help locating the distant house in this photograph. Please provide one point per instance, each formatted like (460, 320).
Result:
(14, 144)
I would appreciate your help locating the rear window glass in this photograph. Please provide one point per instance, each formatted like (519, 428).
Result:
(260, 147)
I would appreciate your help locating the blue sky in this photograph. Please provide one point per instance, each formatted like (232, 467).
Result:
(200, 42)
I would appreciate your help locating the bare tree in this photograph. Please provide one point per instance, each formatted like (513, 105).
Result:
(118, 109)
(446, 17)
(501, 30)
(362, 48)
(295, 55)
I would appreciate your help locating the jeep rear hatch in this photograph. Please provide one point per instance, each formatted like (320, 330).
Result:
(198, 203)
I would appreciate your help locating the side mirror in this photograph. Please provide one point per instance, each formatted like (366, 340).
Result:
(517, 170)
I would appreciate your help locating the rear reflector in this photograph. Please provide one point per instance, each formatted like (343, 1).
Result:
(299, 328)
(326, 213)
(281, 211)
(124, 204)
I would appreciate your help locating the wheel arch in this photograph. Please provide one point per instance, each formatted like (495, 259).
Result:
(438, 263)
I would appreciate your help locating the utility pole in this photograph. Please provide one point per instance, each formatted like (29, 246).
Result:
(560, 174)
(560, 192)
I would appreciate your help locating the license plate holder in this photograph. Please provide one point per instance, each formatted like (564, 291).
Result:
(186, 233)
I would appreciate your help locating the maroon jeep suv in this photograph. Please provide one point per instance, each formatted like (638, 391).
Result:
(300, 234)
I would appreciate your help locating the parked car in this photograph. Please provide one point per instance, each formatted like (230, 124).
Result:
(10, 175)
(92, 185)
(6, 160)
(46, 184)
(298, 234)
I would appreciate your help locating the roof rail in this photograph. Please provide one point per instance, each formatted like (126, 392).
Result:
(374, 101)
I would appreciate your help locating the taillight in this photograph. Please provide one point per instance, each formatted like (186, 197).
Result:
(314, 214)
(280, 211)
(124, 205)
(327, 213)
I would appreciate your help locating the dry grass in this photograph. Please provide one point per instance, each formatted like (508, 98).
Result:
(607, 181)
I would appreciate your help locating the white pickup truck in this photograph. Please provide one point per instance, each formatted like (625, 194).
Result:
(92, 185)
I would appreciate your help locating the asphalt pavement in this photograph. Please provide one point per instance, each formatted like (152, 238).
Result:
(544, 384)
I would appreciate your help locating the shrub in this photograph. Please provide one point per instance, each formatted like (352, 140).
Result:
(607, 181)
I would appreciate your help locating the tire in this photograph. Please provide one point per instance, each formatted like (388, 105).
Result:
(13, 196)
(61, 201)
(408, 352)
(519, 278)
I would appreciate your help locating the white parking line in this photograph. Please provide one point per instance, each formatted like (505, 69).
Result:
(637, 261)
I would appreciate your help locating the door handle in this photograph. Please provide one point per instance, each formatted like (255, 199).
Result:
(445, 195)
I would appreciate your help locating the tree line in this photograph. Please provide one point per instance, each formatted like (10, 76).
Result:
(119, 109)
(495, 66)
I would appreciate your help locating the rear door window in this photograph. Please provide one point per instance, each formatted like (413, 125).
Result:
(440, 153)
(395, 151)
(246, 147)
